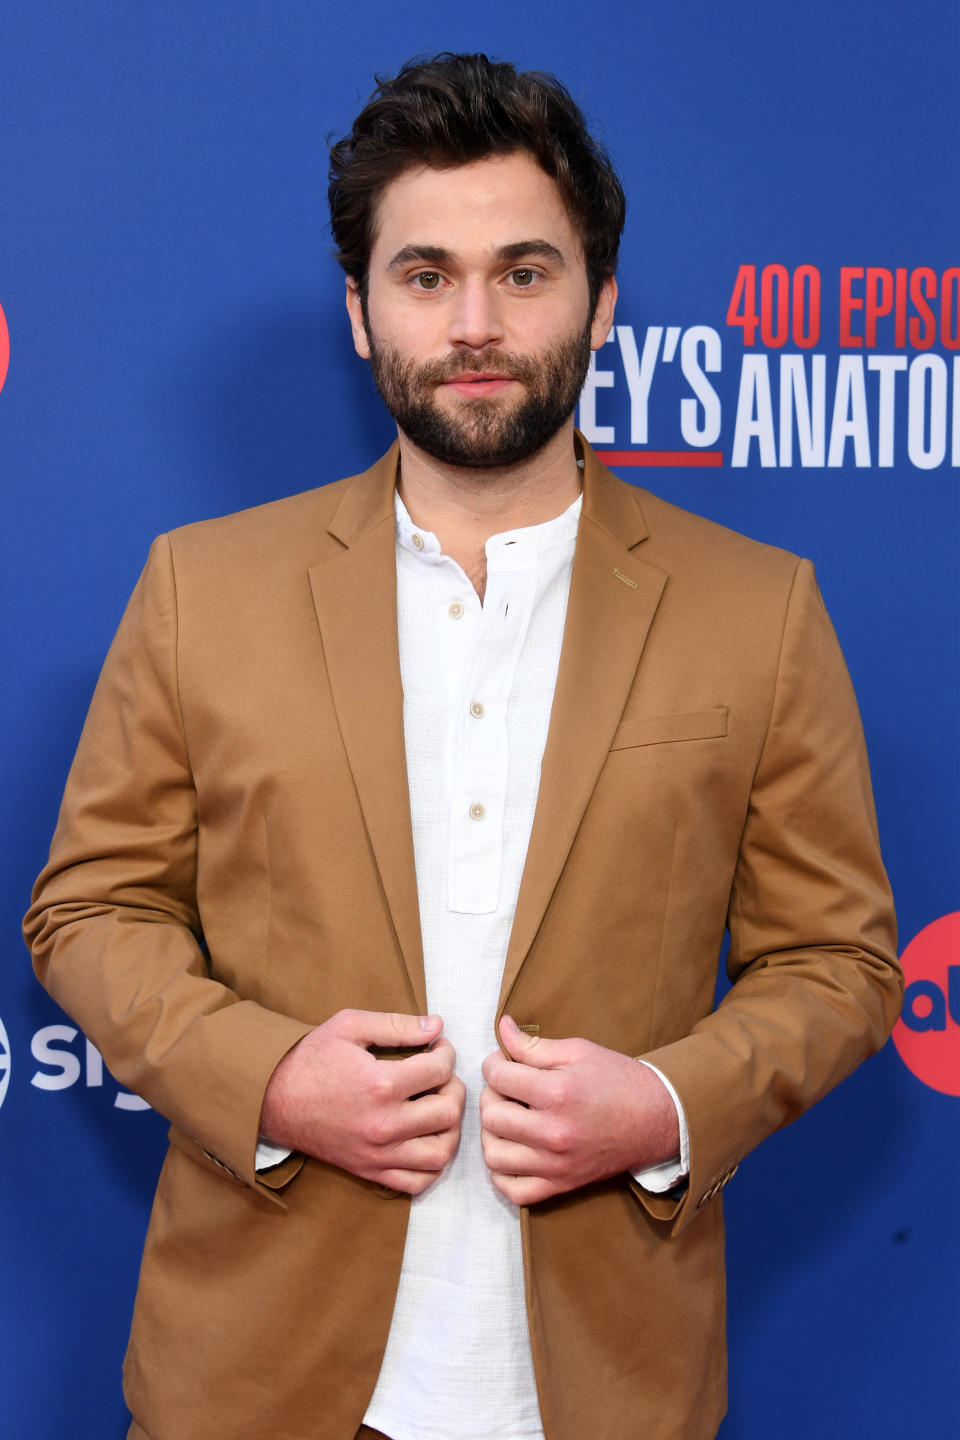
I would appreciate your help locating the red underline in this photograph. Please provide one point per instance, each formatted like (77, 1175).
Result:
(661, 457)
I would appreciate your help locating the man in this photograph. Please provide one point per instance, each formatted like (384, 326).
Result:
(407, 819)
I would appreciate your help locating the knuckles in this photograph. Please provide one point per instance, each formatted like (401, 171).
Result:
(447, 1145)
(449, 1118)
(408, 1182)
(381, 1087)
(400, 1025)
(561, 1090)
(492, 1067)
(558, 1135)
(374, 1129)
(441, 1059)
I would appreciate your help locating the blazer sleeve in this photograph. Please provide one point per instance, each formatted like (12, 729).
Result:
(114, 926)
(816, 986)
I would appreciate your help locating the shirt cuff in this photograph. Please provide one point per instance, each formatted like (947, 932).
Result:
(658, 1178)
(269, 1154)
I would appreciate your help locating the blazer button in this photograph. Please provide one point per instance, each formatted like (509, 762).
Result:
(708, 1194)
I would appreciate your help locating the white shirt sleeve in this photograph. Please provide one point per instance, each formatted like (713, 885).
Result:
(658, 1178)
(269, 1154)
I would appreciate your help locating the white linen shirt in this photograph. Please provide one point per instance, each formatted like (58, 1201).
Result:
(478, 684)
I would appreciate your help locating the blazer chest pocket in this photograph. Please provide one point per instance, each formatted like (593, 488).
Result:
(664, 729)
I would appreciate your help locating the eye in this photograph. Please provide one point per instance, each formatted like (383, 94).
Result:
(523, 278)
(428, 280)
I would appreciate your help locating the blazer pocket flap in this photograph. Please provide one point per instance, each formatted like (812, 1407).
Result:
(659, 729)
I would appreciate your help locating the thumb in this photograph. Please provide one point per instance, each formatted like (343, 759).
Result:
(529, 1049)
(375, 1027)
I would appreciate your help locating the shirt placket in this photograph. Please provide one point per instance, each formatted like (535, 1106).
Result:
(479, 748)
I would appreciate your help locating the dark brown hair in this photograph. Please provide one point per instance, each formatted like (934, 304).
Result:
(454, 109)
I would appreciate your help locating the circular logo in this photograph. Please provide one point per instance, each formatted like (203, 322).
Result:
(4, 1063)
(927, 1035)
(4, 347)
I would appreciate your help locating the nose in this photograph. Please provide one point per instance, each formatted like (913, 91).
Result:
(475, 317)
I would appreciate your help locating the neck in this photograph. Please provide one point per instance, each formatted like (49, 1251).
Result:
(464, 507)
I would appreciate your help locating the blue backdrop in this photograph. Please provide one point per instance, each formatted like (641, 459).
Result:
(785, 361)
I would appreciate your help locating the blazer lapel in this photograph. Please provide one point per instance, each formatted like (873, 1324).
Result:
(613, 598)
(355, 597)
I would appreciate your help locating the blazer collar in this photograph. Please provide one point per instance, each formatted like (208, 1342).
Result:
(614, 595)
(367, 499)
(355, 597)
(608, 502)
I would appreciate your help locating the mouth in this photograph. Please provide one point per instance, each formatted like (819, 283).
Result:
(476, 385)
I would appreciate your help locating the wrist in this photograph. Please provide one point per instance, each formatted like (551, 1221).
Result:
(673, 1136)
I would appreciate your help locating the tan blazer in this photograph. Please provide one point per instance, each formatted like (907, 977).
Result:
(241, 783)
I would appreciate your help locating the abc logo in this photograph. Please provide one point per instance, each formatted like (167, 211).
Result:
(4, 362)
(927, 1035)
(4, 1063)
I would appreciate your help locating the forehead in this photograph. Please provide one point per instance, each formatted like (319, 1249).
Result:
(484, 206)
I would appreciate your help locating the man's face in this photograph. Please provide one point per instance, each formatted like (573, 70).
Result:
(477, 324)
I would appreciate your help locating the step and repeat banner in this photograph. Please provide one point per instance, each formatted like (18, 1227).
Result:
(785, 360)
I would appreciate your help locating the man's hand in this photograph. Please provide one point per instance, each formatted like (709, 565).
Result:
(585, 1113)
(396, 1122)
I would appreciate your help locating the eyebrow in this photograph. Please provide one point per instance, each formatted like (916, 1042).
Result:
(503, 255)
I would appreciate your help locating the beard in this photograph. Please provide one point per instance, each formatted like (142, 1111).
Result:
(483, 434)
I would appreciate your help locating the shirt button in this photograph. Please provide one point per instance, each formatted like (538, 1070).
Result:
(477, 812)
(477, 710)
(455, 610)
(416, 541)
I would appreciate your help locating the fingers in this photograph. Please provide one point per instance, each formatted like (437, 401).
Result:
(437, 1113)
(416, 1073)
(456, 1091)
(395, 1122)
(374, 1027)
(509, 1120)
(535, 1050)
(518, 1141)
(529, 1049)
(433, 1114)
(523, 1173)
(506, 1157)
(417, 1143)
(428, 1154)
(408, 1182)
(524, 1189)
(518, 1081)
(415, 1162)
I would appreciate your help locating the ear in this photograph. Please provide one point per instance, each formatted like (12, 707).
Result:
(603, 314)
(355, 310)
